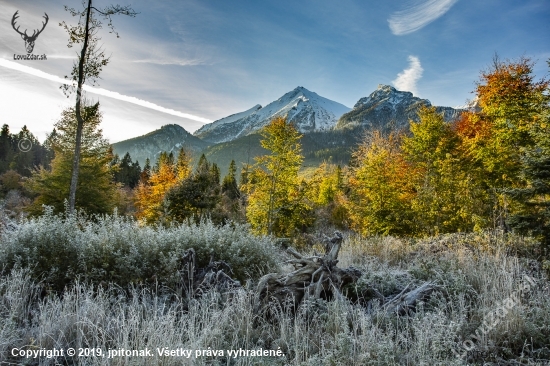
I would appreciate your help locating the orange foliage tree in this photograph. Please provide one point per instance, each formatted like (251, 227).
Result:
(166, 174)
(497, 138)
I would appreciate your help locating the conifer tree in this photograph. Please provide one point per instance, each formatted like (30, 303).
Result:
(533, 196)
(146, 172)
(229, 184)
(183, 164)
(96, 189)
(7, 148)
(196, 196)
(127, 172)
(22, 152)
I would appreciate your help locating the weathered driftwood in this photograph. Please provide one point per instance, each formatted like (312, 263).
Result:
(314, 277)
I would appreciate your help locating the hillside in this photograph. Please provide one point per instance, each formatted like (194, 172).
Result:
(333, 146)
(168, 138)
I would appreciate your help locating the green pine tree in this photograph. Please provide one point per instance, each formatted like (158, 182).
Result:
(195, 196)
(96, 189)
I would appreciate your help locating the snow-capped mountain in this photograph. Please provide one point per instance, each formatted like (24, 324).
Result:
(307, 110)
(388, 107)
(471, 105)
(208, 128)
(330, 129)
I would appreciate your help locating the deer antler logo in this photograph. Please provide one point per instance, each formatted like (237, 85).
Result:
(29, 40)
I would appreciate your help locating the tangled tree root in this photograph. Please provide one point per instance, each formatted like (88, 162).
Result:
(314, 278)
(318, 278)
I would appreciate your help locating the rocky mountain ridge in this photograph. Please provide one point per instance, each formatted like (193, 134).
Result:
(307, 110)
(330, 129)
(388, 107)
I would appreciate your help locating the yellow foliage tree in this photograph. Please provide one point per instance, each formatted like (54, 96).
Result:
(500, 136)
(445, 199)
(380, 190)
(277, 201)
(150, 194)
(326, 188)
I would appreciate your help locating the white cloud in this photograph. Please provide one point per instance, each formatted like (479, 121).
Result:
(417, 15)
(179, 62)
(100, 91)
(62, 57)
(406, 79)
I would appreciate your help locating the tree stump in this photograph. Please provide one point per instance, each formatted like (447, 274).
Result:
(314, 277)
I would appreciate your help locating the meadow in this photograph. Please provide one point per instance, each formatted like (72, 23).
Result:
(109, 283)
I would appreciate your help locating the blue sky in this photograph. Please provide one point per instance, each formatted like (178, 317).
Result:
(208, 59)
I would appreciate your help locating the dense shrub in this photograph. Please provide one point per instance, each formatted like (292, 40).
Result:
(61, 248)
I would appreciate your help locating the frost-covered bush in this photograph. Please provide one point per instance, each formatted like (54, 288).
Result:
(61, 248)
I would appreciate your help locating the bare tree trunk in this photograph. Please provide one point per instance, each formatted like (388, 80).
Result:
(79, 119)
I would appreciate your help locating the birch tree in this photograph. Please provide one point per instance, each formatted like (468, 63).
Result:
(88, 66)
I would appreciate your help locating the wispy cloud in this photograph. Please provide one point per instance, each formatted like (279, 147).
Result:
(100, 91)
(406, 79)
(417, 15)
(60, 57)
(180, 62)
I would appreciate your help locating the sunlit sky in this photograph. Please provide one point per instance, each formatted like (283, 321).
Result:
(194, 61)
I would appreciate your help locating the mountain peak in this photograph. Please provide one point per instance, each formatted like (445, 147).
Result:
(306, 109)
(387, 105)
(299, 90)
(386, 87)
(388, 94)
(173, 127)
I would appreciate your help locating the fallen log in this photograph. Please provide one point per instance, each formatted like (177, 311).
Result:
(314, 278)
(405, 302)
(318, 278)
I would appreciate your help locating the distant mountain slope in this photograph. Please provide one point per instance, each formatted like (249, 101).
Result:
(307, 110)
(209, 128)
(334, 146)
(167, 138)
(386, 108)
